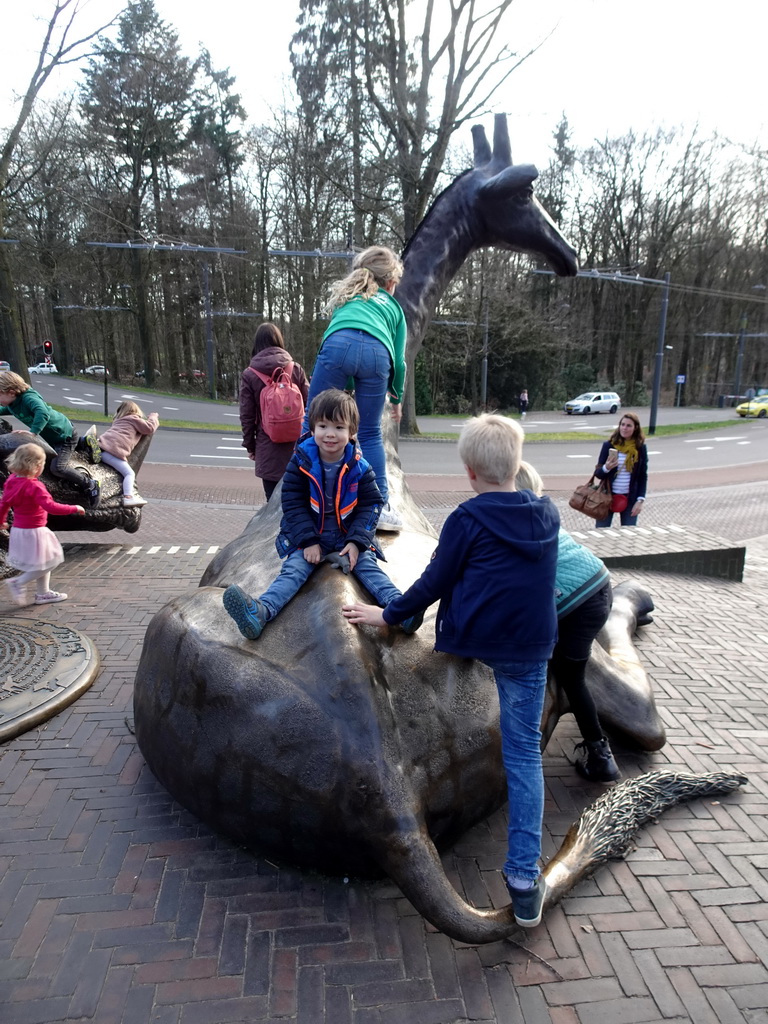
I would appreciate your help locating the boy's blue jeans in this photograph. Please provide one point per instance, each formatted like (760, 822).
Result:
(357, 354)
(296, 570)
(521, 687)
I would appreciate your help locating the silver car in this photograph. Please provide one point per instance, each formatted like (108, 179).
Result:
(594, 401)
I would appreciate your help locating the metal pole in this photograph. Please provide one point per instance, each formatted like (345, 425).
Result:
(659, 355)
(739, 357)
(208, 332)
(484, 370)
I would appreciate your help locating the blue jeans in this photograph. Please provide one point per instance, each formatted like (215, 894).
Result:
(521, 687)
(625, 518)
(296, 570)
(356, 354)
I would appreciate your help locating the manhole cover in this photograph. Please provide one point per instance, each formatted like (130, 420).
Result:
(43, 668)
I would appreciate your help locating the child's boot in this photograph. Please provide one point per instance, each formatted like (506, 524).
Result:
(249, 614)
(599, 764)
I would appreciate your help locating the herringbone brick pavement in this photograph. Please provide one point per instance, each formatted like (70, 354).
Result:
(117, 905)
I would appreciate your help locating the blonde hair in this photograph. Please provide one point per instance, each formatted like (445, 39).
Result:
(528, 479)
(491, 446)
(10, 381)
(25, 458)
(373, 268)
(127, 408)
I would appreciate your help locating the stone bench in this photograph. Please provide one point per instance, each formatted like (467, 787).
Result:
(672, 548)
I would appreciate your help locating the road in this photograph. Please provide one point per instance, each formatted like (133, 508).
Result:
(705, 451)
(89, 395)
(740, 446)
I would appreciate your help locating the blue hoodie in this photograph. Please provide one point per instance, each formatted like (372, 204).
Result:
(493, 572)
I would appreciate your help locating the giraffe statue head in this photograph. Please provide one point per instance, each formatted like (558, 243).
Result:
(490, 205)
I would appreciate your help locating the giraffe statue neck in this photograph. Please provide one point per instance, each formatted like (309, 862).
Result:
(435, 253)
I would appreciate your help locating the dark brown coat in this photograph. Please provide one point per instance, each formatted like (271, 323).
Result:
(270, 459)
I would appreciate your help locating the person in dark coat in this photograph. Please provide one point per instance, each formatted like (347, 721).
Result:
(270, 458)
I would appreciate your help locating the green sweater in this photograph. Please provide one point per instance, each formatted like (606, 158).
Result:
(381, 316)
(35, 413)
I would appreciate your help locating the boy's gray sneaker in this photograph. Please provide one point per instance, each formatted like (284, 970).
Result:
(527, 903)
(389, 520)
(249, 613)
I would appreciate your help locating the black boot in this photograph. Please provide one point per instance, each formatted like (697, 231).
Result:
(598, 765)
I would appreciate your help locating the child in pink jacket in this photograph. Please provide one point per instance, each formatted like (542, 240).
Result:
(32, 548)
(118, 441)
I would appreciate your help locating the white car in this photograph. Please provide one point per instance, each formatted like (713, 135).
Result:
(96, 371)
(43, 368)
(594, 401)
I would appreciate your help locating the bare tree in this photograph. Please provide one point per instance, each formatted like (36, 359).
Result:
(58, 48)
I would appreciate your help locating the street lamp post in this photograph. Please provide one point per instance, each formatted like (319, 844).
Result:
(659, 355)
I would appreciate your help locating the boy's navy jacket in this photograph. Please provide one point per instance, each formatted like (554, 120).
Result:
(493, 572)
(357, 500)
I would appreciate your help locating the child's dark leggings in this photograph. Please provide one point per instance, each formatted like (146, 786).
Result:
(60, 466)
(576, 632)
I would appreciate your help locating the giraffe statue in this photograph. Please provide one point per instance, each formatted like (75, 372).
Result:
(361, 751)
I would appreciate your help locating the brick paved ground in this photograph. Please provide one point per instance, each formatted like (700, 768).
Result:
(118, 906)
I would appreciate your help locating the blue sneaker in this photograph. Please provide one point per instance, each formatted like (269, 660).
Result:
(527, 903)
(411, 624)
(249, 614)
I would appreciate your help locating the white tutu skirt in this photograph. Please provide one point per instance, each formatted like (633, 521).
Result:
(35, 548)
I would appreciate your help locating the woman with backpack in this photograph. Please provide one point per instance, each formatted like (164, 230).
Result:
(270, 362)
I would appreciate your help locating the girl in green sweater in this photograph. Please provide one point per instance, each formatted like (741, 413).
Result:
(365, 340)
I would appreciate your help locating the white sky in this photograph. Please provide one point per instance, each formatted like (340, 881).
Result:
(611, 65)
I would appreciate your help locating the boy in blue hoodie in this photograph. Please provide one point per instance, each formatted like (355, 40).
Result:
(493, 572)
(331, 506)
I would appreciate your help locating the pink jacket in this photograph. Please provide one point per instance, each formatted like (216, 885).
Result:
(31, 503)
(122, 437)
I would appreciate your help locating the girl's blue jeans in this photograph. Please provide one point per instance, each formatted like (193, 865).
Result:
(356, 354)
(521, 687)
(296, 570)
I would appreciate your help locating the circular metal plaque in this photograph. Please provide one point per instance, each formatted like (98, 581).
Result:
(44, 666)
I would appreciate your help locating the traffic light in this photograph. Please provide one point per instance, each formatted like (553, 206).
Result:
(48, 350)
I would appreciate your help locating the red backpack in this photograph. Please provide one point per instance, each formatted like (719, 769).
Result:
(282, 407)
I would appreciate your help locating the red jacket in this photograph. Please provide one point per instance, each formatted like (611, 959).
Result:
(30, 502)
(270, 459)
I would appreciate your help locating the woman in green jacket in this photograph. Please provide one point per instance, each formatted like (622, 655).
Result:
(18, 399)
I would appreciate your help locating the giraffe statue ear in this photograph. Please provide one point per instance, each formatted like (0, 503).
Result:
(510, 180)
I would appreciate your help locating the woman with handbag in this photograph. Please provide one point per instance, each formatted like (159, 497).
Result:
(623, 462)
(270, 457)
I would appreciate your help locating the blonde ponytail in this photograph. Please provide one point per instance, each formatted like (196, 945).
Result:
(373, 268)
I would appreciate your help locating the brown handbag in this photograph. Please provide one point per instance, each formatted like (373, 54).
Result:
(593, 498)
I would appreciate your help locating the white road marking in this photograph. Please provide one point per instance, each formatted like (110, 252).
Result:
(170, 408)
(578, 456)
(229, 447)
(235, 414)
(705, 448)
(242, 458)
